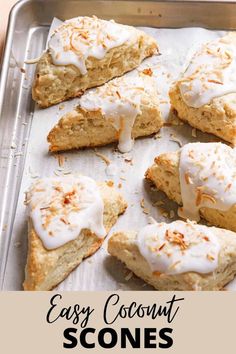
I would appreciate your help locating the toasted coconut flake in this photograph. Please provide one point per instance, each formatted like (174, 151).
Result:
(187, 178)
(174, 265)
(61, 160)
(110, 183)
(147, 71)
(103, 157)
(206, 238)
(118, 94)
(216, 82)
(209, 198)
(194, 132)
(210, 257)
(162, 246)
(142, 203)
(129, 276)
(176, 140)
(158, 203)
(176, 238)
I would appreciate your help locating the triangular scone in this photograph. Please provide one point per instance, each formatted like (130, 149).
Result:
(123, 109)
(205, 96)
(69, 218)
(202, 178)
(86, 52)
(179, 255)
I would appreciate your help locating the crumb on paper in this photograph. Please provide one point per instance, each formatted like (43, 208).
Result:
(32, 61)
(20, 153)
(33, 174)
(157, 136)
(164, 212)
(62, 106)
(123, 178)
(129, 276)
(119, 185)
(194, 132)
(22, 70)
(17, 244)
(158, 203)
(13, 145)
(103, 157)
(57, 173)
(142, 203)
(61, 160)
(174, 138)
(151, 220)
(145, 209)
(66, 172)
(130, 161)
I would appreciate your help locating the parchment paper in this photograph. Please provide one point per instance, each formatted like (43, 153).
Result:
(101, 271)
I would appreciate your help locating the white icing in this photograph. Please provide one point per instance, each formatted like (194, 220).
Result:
(179, 247)
(119, 101)
(211, 72)
(82, 37)
(207, 178)
(61, 207)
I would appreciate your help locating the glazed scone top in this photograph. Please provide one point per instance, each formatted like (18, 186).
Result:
(207, 178)
(119, 101)
(61, 207)
(178, 247)
(211, 72)
(82, 37)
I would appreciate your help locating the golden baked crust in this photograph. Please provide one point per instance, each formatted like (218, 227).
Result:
(122, 245)
(218, 117)
(45, 269)
(57, 83)
(164, 173)
(87, 128)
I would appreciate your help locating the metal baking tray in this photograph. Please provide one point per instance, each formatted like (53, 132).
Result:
(26, 37)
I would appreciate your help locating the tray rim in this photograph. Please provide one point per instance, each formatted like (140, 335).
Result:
(7, 53)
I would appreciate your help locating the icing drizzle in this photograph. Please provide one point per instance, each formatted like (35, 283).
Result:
(119, 101)
(179, 247)
(82, 37)
(211, 72)
(61, 207)
(207, 178)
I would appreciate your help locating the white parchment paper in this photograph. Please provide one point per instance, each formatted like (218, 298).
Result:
(101, 271)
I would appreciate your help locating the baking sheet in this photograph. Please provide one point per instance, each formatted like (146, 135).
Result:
(101, 271)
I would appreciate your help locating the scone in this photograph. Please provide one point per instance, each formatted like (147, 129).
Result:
(178, 256)
(121, 110)
(68, 219)
(86, 52)
(202, 178)
(205, 96)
